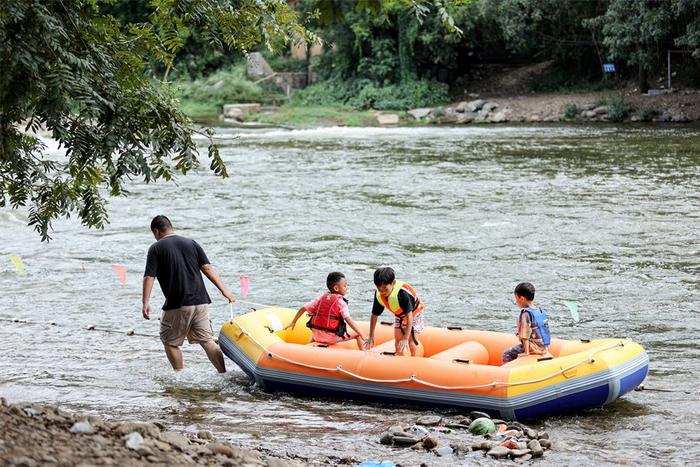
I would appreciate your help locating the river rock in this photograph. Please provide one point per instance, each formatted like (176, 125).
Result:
(542, 435)
(23, 461)
(588, 114)
(601, 110)
(475, 105)
(529, 432)
(545, 443)
(397, 430)
(460, 447)
(386, 438)
(221, 448)
(388, 119)
(430, 442)
(488, 107)
(443, 451)
(500, 116)
(483, 446)
(175, 439)
(405, 440)
(461, 107)
(499, 452)
(536, 448)
(587, 106)
(466, 117)
(429, 420)
(476, 414)
(82, 427)
(205, 434)
(257, 67)
(145, 428)
(518, 452)
(133, 440)
(524, 458)
(419, 113)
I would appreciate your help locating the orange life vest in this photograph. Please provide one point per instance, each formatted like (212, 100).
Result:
(392, 302)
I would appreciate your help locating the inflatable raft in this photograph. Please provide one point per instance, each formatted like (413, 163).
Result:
(458, 367)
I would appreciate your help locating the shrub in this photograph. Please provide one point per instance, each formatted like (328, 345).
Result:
(570, 111)
(647, 114)
(618, 109)
(225, 86)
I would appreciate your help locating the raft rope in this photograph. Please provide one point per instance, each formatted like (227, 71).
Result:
(128, 332)
(415, 379)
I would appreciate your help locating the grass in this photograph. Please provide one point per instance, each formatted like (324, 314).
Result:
(315, 115)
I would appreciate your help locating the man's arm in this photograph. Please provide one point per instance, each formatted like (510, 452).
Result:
(209, 271)
(146, 296)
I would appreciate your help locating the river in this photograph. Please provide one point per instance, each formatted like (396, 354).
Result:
(606, 216)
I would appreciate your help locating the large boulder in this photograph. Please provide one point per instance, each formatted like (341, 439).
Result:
(419, 113)
(388, 119)
(257, 67)
(475, 105)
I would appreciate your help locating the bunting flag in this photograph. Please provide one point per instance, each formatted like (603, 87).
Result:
(120, 269)
(245, 284)
(17, 261)
(573, 309)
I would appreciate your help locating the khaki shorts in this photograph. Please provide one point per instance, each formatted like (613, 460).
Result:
(188, 321)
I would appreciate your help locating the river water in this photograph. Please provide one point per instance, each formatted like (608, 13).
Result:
(606, 216)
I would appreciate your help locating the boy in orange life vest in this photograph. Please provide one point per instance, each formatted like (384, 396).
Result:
(402, 300)
(329, 313)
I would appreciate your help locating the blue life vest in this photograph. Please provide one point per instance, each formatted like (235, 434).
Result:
(538, 318)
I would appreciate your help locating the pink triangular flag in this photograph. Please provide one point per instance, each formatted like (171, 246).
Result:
(245, 284)
(120, 269)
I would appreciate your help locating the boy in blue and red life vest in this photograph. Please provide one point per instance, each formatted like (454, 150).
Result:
(533, 326)
(402, 300)
(329, 314)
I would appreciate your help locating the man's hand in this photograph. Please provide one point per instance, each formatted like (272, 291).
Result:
(230, 297)
(146, 311)
(369, 343)
(403, 345)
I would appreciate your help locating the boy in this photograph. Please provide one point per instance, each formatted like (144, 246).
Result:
(533, 327)
(402, 300)
(329, 313)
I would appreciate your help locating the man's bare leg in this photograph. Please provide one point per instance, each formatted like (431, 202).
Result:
(174, 356)
(215, 356)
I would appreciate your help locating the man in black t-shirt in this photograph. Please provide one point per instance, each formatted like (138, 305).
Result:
(178, 263)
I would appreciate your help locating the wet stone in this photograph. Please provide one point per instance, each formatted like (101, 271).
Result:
(397, 430)
(430, 442)
(518, 452)
(536, 448)
(82, 427)
(499, 452)
(460, 447)
(524, 458)
(221, 448)
(483, 446)
(205, 434)
(476, 414)
(386, 438)
(530, 433)
(175, 439)
(542, 435)
(133, 440)
(405, 440)
(545, 443)
(429, 420)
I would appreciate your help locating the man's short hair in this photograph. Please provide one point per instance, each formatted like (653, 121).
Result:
(333, 278)
(161, 223)
(384, 276)
(525, 289)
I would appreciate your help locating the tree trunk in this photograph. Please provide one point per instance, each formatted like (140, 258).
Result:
(642, 80)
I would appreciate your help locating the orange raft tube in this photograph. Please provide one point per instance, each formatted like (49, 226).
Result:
(458, 367)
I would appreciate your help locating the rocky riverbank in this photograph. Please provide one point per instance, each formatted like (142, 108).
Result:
(34, 435)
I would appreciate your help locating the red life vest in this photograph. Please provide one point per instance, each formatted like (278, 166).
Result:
(328, 317)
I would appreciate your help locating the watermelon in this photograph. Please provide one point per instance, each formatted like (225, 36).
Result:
(482, 426)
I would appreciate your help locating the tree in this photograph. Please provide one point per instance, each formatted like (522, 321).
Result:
(87, 78)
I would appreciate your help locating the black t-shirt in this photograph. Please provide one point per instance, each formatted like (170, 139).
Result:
(406, 302)
(176, 261)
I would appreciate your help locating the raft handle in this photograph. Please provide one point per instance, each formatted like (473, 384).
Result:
(585, 341)
(459, 360)
(543, 359)
(322, 346)
(386, 323)
(454, 328)
(389, 353)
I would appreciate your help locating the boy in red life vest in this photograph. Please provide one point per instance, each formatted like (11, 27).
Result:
(402, 300)
(533, 326)
(329, 314)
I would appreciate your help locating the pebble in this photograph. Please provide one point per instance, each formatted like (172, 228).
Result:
(443, 451)
(133, 440)
(430, 442)
(175, 439)
(476, 414)
(498, 452)
(536, 448)
(405, 440)
(205, 434)
(429, 420)
(460, 447)
(386, 438)
(81, 427)
(483, 446)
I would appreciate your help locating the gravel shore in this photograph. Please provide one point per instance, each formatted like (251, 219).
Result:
(35, 434)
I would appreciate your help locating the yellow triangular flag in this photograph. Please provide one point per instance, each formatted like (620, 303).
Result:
(17, 261)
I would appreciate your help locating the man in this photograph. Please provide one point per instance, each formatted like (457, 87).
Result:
(176, 262)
